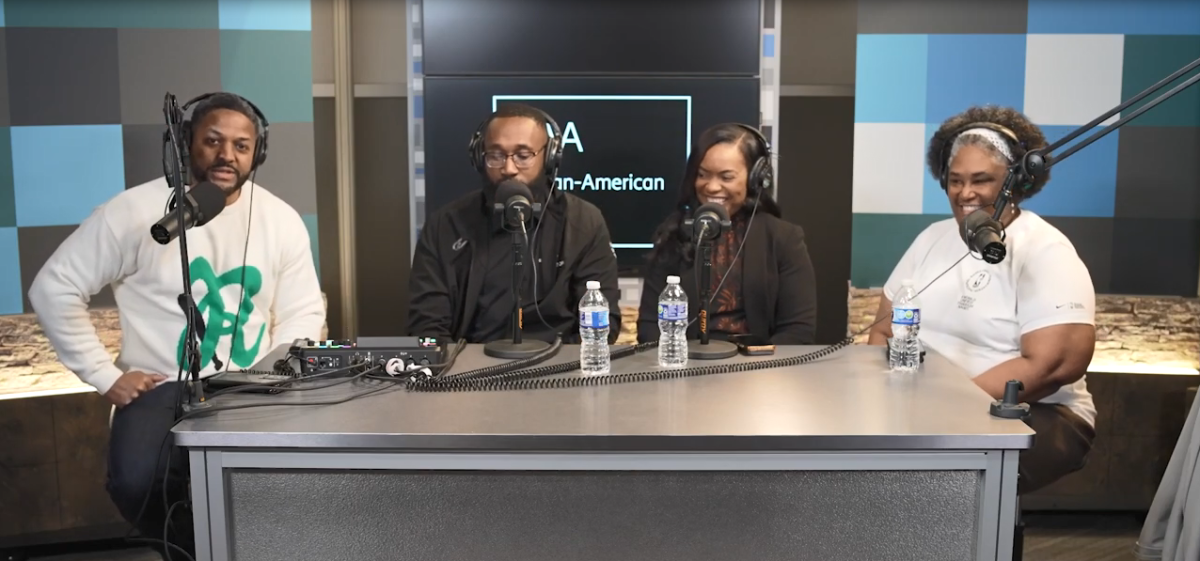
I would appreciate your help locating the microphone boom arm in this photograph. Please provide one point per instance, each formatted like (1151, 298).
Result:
(1039, 160)
(174, 150)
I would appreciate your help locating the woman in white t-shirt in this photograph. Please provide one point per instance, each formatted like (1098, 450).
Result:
(1029, 317)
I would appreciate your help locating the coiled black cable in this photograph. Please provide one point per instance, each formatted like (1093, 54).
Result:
(505, 377)
(506, 367)
(535, 379)
(462, 383)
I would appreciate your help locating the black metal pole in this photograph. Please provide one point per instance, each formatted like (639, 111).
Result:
(1037, 161)
(705, 287)
(1160, 85)
(1056, 159)
(518, 265)
(176, 180)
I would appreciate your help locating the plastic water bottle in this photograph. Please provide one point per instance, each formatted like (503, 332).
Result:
(904, 355)
(593, 331)
(672, 325)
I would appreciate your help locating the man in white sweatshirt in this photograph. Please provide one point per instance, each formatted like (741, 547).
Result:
(253, 281)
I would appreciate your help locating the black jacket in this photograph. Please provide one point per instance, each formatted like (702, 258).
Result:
(450, 265)
(779, 292)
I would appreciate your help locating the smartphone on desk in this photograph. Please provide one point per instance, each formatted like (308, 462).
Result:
(752, 345)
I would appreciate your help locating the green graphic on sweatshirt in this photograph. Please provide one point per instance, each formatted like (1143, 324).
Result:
(219, 319)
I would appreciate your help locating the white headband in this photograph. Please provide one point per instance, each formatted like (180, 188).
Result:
(989, 135)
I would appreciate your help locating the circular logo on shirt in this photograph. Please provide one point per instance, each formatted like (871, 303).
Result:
(979, 281)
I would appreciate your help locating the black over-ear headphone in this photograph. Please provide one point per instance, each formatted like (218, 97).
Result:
(260, 143)
(1010, 137)
(552, 154)
(762, 172)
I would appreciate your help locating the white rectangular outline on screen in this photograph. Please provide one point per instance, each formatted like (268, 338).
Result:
(555, 97)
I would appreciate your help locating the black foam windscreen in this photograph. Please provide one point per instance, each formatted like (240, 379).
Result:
(514, 200)
(510, 188)
(209, 199)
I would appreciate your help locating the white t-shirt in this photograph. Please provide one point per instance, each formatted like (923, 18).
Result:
(281, 300)
(976, 313)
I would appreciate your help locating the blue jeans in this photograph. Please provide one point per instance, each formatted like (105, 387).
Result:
(141, 453)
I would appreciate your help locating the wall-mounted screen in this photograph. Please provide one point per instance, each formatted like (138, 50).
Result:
(626, 141)
(522, 37)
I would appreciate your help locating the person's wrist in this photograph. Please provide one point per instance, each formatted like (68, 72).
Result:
(104, 379)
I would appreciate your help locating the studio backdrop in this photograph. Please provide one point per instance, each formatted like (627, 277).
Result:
(630, 85)
(1130, 203)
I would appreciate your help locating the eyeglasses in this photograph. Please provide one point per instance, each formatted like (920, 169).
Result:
(521, 158)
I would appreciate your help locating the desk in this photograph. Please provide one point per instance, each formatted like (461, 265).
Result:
(833, 460)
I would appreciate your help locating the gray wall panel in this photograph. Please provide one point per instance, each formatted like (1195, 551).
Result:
(586, 516)
(325, 160)
(817, 42)
(816, 165)
(382, 218)
(322, 42)
(378, 41)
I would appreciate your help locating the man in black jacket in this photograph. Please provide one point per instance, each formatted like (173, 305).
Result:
(461, 282)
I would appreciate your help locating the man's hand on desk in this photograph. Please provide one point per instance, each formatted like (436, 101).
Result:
(130, 385)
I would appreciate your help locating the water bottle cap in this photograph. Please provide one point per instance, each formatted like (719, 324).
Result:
(593, 285)
(672, 279)
(908, 282)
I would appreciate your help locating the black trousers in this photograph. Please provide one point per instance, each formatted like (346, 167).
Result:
(141, 456)
(1060, 447)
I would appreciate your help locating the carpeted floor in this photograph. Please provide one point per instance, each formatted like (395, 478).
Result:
(1081, 537)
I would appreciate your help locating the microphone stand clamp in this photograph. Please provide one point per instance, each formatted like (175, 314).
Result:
(1010, 406)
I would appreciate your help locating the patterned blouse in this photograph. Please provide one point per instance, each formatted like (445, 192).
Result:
(728, 314)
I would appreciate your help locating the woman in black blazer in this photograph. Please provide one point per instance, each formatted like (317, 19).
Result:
(762, 280)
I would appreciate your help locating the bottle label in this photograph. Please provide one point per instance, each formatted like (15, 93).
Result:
(906, 316)
(673, 312)
(594, 320)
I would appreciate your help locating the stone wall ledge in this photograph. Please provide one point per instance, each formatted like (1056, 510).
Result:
(1136, 333)
(29, 364)
(1131, 331)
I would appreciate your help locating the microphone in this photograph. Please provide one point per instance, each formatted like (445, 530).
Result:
(708, 222)
(201, 204)
(982, 234)
(515, 201)
(704, 226)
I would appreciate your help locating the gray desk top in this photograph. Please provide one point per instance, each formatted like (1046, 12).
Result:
(846, 401)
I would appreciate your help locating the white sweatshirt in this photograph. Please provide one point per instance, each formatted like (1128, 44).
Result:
(113, 246)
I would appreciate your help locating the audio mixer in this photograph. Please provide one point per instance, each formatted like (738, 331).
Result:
(321, 356)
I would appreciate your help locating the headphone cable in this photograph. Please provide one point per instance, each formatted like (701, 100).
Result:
(534, 262)
(536, 378)
(742, 245)
(179, 414)
(732, 264)
(242, 281)
(184, 156)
